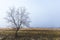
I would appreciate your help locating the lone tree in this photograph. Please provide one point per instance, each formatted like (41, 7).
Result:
(18, 18)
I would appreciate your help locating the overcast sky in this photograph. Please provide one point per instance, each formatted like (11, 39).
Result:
(44, 13)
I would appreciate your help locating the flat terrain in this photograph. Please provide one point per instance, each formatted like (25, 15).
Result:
(32, 32)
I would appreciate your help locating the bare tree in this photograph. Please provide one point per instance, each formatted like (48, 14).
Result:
(18, 18)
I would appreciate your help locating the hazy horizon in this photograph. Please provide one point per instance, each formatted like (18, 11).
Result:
(44, 13)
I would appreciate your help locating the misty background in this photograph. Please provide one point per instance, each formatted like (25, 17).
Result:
(43, 13)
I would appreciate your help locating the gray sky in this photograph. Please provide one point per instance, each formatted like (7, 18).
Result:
(44, 13)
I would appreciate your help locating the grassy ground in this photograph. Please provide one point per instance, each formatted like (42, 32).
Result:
(28, 34)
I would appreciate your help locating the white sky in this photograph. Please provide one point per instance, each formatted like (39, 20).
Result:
(4, 7)
(44, 13)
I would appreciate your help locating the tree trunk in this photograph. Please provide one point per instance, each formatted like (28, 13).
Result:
(16, 34)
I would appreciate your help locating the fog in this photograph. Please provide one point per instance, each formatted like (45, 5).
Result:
(43, 13)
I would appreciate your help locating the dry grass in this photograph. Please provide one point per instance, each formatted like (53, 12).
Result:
(31, 32)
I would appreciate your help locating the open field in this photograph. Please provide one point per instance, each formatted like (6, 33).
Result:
(32, 33)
